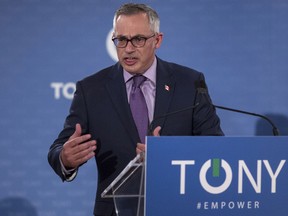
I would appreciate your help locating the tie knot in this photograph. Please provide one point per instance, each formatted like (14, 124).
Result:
(138, 80)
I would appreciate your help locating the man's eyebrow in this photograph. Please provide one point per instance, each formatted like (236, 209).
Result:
(123, 36)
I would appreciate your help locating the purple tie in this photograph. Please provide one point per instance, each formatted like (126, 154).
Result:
(138, 107)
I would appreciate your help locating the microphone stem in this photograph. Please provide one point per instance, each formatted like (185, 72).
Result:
(150, 127)
(275, 130)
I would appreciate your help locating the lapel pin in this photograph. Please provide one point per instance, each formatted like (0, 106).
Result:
(167, 88)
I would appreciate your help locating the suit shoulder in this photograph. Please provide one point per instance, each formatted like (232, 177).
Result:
(181, 70)
(97, 76)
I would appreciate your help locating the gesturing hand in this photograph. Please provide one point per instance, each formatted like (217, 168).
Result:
(141, 147)
(78, 149)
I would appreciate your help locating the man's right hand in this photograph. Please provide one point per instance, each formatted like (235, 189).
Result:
(78, 149)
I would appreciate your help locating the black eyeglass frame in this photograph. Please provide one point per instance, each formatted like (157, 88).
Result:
(135, 38)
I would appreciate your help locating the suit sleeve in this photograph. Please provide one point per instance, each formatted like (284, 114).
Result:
(205, 120)
(77, 114)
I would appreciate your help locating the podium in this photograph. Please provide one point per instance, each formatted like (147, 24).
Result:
(211, 176)
(127, 190)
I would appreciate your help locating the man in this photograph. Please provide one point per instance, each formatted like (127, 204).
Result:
(102, 122)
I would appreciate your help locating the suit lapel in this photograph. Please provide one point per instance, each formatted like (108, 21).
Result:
(165, 85)
(117, 91)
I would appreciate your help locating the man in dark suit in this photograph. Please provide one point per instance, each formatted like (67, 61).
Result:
(101, 123)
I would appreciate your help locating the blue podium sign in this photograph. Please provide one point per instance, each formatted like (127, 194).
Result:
(227, 176)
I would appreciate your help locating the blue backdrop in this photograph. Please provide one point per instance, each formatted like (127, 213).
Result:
(46, 46)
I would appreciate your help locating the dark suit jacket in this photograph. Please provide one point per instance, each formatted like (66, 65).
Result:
(101, 106)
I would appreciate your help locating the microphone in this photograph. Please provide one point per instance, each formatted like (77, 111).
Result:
(150, 128)
(202, 89)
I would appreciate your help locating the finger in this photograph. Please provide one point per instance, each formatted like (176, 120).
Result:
(79, 154)
(84, 149)
(79, 140)
(75, 163)
(86, 152)
(140, 148)
(156, 131)
(138, 151)
(77, 132)
(79, 150)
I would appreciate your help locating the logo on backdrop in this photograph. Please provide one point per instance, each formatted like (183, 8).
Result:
(207, 180)
(63, 90)
(111, 49)
(66, 90)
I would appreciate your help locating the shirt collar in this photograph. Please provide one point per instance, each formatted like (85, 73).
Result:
(149, 74)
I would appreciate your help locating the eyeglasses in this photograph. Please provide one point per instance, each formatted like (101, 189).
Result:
(137, 41)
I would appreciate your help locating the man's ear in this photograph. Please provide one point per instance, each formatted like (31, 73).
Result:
(159, 39)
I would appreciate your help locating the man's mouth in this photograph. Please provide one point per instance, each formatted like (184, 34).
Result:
(130, 60)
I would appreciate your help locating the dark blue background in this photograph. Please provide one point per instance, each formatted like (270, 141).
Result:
(241, 46)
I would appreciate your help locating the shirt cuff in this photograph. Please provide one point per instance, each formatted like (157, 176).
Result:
(69, 174)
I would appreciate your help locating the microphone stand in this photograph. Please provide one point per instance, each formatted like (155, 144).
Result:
(275, 129)
(150, 127)
(202, 89)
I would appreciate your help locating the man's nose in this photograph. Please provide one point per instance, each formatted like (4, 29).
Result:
(129, 47)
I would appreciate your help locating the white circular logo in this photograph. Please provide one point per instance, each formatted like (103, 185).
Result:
(111, 49)
(221, 188)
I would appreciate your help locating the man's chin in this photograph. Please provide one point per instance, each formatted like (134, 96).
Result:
(132, 69)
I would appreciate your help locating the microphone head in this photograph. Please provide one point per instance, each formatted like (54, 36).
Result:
(201, 86)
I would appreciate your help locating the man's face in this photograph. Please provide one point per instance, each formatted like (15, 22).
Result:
(136, 60)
